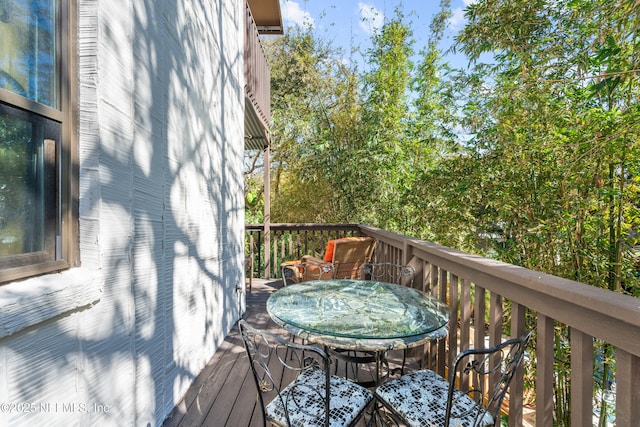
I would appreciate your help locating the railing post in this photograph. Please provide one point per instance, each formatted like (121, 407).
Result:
(267, 213)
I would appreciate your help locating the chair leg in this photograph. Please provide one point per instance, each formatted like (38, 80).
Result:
(381, 417)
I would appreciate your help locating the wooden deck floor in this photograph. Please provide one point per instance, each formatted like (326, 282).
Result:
(224, 394)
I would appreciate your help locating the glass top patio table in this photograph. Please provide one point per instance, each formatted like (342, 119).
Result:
(358, 314)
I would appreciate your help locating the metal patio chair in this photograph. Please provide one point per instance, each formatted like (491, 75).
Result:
(314, 397)
(400, 274)
(473, 395)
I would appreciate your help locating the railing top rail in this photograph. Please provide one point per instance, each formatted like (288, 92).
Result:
(323, 227)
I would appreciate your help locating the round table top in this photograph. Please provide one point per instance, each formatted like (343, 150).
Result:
(358, 313)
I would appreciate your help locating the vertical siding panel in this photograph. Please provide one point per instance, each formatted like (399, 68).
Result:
(161, 107)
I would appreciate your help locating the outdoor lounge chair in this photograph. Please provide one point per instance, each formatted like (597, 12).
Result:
(346, 254)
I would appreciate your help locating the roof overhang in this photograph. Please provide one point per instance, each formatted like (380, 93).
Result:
(256, 137)
(267, 16)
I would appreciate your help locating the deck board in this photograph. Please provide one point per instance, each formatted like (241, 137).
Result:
(224, 394)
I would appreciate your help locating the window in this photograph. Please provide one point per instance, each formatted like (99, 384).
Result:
(38, 217)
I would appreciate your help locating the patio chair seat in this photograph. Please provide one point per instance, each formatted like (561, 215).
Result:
(306, 406)
(421, 399)
(424, 398)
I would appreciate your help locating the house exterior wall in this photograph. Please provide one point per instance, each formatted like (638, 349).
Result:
(119, 340)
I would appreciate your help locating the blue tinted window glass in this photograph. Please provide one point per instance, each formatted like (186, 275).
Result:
(28, 49)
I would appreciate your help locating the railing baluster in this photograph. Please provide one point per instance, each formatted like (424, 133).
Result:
(465, 314)
(627, 396)
(283, 256)
(495, 327)
(453, 318)
(314, 242)
(439, 288)
(275, 251)
(581, 378)
(544, 371)
(479, 309)
(516, 390)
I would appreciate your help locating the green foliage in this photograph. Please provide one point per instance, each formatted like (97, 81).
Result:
(548, 175)
(14, 172)
(314, 97)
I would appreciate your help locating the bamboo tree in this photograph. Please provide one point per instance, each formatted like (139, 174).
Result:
(562, 139)
(384, 163)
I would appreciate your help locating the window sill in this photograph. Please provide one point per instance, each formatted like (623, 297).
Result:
(30, 302)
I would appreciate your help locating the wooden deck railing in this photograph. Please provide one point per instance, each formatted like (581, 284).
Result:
(291, 241)
(467, 282)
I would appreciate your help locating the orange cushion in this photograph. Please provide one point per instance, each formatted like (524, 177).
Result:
(328, 255)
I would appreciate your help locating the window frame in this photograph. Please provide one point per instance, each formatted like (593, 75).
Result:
(66, 153)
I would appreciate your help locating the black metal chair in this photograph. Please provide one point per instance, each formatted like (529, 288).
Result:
(389, 272)
(472, 396)
(314, 397)
(303, 271)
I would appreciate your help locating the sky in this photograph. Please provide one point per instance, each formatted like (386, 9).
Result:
(352, 22)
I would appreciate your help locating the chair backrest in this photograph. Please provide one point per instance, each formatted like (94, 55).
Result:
(399, 274)
(306, 270)
(484, 375)
(349, 254)
(273, 360)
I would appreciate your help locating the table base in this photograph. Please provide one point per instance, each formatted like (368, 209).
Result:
(357, 358)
